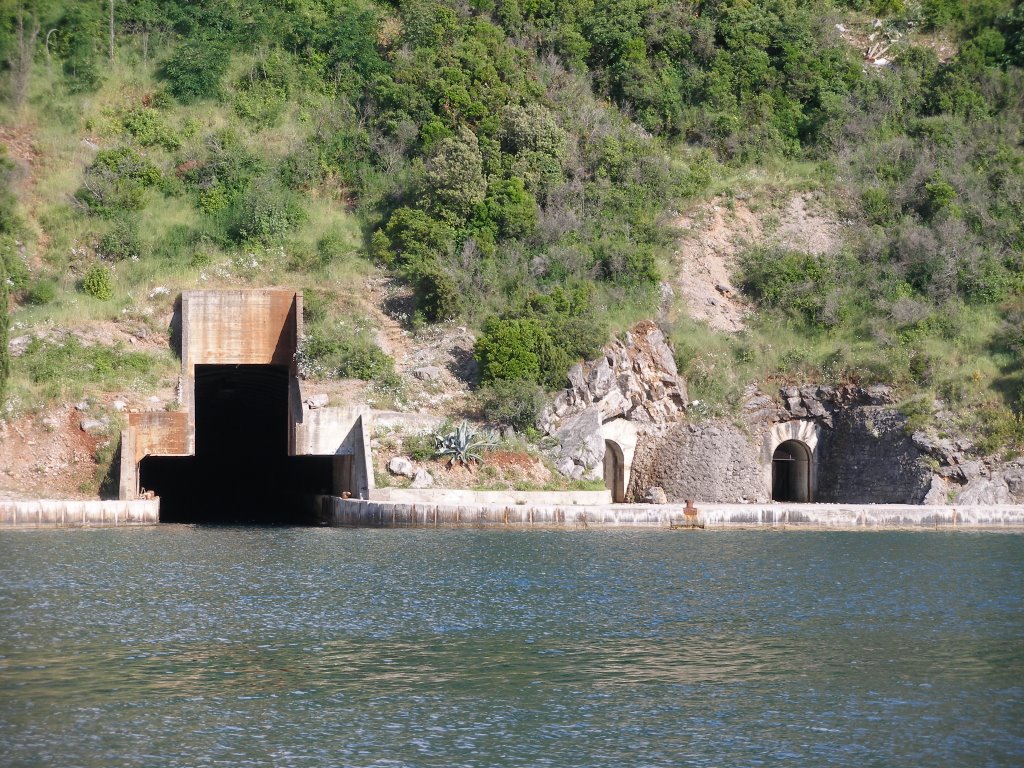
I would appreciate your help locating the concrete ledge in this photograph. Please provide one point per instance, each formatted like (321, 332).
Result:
(465, 497)
(395, 514)
(78, 514)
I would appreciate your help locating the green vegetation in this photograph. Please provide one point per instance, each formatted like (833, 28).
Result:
(69, 367)
(518, 165)
(463, 445)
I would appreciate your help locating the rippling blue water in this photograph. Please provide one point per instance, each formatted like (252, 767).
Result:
(184, 646)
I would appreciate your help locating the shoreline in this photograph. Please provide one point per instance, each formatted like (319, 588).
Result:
(335, 511)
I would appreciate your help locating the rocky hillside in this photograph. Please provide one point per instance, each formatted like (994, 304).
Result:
(476, 199)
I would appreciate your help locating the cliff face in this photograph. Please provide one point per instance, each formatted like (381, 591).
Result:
(635, 381)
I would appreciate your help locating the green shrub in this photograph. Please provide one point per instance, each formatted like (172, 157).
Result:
(877, 206)
(315, 304)
(266, 214)
(514, 403)
(331, 247)
(122, 242)
(98, 282)
(508, 349)
(437, 295)
(419, 447)
(40, 291)
(116, 181)
(194, 71)
(148, 128)
(792, 281)
(342, 352)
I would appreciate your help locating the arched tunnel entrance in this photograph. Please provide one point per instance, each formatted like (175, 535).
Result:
(241, 471)
(614, 471)
(791, 472)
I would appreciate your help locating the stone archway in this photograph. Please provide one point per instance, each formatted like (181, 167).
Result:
(614, 471)
(791, 472)
(789, 461)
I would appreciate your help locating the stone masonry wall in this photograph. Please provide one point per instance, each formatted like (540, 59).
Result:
(709, 462)
(867, 457)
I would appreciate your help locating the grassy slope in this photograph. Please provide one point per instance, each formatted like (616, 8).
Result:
(963, 360)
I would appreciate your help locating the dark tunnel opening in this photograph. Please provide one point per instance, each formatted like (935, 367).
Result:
(241, 471)
(791, 473)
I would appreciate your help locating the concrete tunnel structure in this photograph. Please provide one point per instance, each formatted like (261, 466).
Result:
(243, 447)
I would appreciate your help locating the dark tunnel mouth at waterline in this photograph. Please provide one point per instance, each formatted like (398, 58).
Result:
(791, 473)
(241, 471)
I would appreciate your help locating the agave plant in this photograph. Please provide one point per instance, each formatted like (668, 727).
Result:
(463, 445)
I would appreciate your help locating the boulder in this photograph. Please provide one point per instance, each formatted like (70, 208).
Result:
(655, 495)
(428, 373)
(317, 401)
(422, 479)
(402, 466)
(93, 426)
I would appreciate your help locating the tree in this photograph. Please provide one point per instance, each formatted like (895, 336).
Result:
(5, 354)
(19, 57)
(455, 182)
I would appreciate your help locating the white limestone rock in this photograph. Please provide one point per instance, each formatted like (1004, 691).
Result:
(401, 466)
(94, 427)
(635, 379)
(581, 442)
(428, 373)
(422, 479)
(317, 401)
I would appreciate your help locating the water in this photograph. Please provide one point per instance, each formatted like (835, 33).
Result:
(185, 646)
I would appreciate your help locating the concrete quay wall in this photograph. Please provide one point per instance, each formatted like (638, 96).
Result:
(78, 514)
(386, 514)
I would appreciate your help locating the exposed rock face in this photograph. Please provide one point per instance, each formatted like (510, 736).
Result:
(582, 445)
(636, 379)
(711, 462)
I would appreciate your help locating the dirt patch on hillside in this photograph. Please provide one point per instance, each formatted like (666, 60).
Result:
(436, 363)
(47, 455)
(713, 234)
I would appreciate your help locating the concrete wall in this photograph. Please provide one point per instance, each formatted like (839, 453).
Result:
(240, 327)
(77, 514)
(470, 498)
(326, 431)
(348, 512)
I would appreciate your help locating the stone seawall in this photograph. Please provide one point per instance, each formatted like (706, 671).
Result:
(356, 512)
(78, 514)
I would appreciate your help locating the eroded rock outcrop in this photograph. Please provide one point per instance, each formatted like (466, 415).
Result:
(635, 379)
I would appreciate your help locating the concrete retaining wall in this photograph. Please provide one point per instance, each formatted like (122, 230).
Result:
(354, 512)
(78, 514)
(506, 498)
